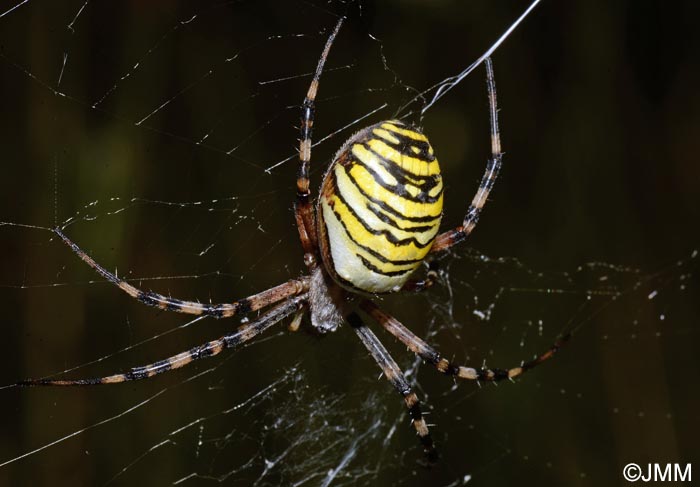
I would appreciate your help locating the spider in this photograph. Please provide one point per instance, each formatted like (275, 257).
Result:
(375, 222)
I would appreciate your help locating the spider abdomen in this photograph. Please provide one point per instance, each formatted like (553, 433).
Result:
(380, 207)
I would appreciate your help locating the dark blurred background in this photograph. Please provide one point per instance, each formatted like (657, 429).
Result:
(149, 129)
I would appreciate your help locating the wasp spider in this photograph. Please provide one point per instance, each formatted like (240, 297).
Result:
(376, 220)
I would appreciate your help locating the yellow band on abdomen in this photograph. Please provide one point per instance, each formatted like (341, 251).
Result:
(380, 208)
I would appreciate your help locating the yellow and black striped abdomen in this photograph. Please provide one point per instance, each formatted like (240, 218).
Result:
(380, 207)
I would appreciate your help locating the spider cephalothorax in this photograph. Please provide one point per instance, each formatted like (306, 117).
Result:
(376, 220)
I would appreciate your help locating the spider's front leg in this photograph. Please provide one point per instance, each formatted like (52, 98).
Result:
(432, 356)
(243, 334)
(393, 373)
(223, 310)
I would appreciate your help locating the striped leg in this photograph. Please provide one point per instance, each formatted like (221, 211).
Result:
(303, 208)
(417, 286)
(395, 376)
(224, 310)
(452, 237)
(243, 334)
(429, 354)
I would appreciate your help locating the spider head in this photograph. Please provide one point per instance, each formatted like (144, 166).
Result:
(328, 302)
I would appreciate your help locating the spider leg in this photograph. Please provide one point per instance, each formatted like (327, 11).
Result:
(452, 237)
(224, 310)
(417, 286)
(296, 320)
(244, 333)
(395, 376)
(303, 208)
(429, 354)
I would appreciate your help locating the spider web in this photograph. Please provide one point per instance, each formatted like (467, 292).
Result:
(162, 137)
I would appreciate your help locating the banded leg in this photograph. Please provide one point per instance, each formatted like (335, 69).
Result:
(303, 209)
(223, 310)
(452, 237)
(417, 286)
(243, 334)
(429, 354)
(395, 376)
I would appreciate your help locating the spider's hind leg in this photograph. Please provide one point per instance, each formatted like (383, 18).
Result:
(452, 237)
(303, 207)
